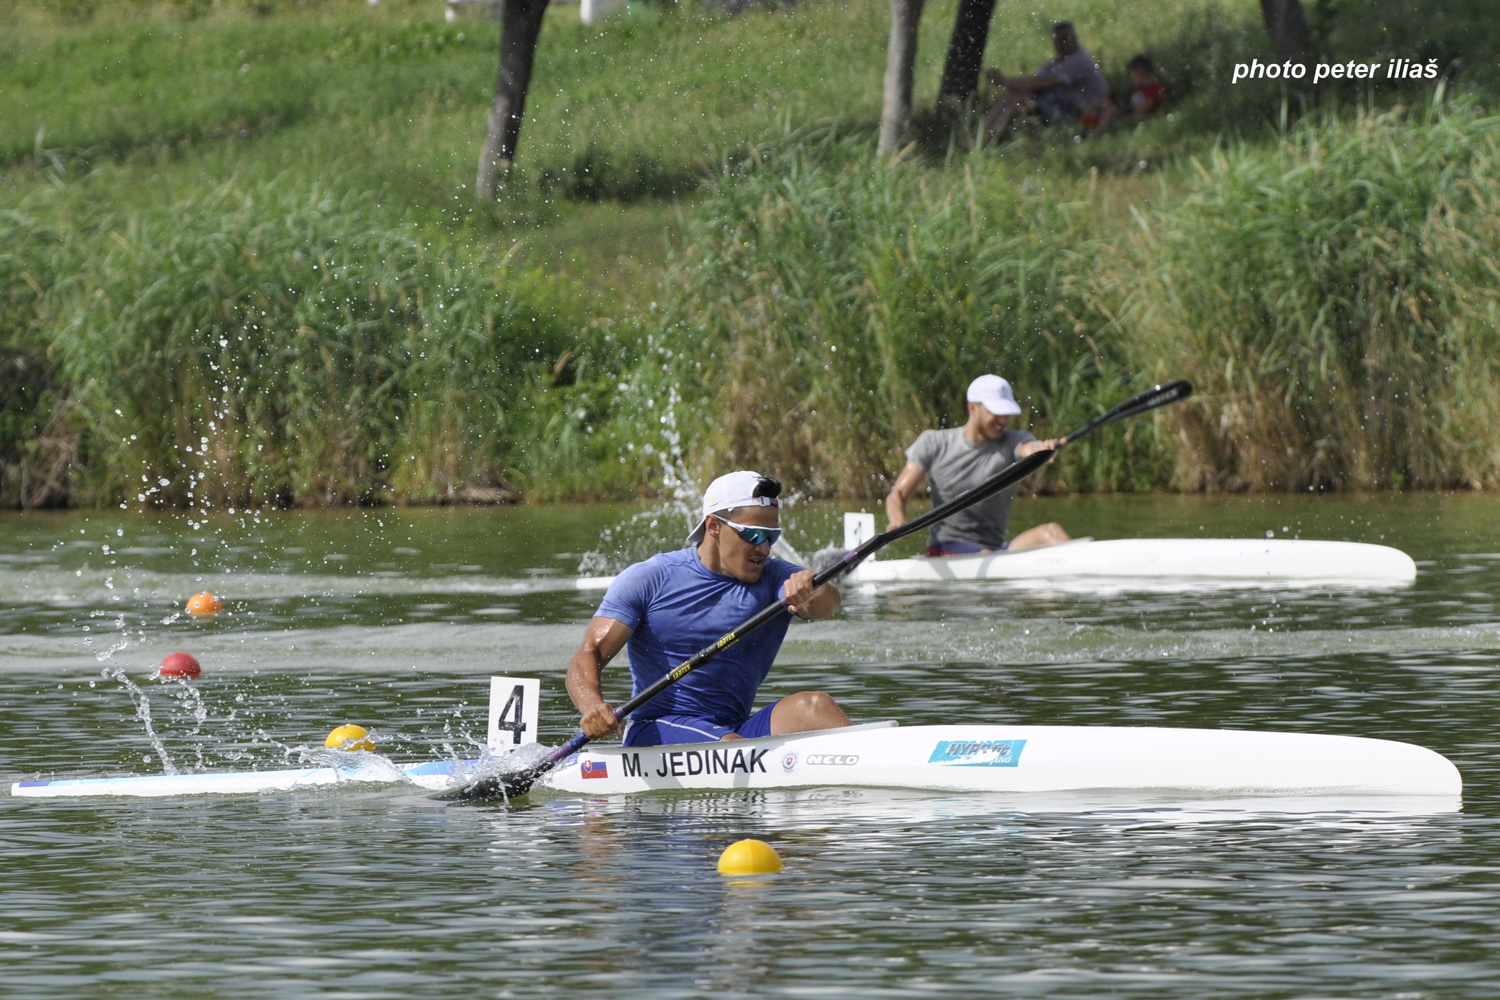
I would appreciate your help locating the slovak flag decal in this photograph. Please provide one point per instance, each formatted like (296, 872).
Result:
(594, 769)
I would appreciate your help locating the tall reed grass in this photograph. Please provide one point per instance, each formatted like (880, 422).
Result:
(1334, 299)
(36, 448)
(284, 345)
(828, 307)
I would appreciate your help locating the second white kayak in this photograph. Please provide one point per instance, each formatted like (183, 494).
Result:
(1224, 559)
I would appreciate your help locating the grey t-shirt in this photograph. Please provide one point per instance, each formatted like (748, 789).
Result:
(953, 467)
(1083, 81)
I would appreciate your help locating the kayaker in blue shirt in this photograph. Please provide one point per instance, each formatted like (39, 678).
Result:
(674, 604)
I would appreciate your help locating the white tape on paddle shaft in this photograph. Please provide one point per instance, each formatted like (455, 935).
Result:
(858, 529)
(514, 702)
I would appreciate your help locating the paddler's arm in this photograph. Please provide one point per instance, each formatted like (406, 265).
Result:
(906, 486)
(603, 638)
(803, 601)
(1030, 447)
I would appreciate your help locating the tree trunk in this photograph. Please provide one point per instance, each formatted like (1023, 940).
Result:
(900, 63)
(971, 31)
(518, 34)
(1287, 26)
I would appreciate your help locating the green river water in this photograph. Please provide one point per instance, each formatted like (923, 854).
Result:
(393, 619)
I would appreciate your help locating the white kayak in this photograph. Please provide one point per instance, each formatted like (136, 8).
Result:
(426, 774)
(1144, 762)
(1227, 560)
(1025, 759)
(1147, 562)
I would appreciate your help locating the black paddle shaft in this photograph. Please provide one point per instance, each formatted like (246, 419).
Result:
(520, 782)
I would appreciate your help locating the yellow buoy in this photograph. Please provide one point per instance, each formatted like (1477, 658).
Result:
(749, 857)
(350, 737)
(204, 605)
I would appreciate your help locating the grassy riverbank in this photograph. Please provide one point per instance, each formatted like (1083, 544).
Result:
(238, 255)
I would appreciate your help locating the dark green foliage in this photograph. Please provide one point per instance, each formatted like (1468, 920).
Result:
(596, 175)
(1458, 34)
(1195, 63)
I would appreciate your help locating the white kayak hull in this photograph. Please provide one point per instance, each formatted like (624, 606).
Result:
(1221, 559)
(1146, 762)
(990, 758)
(427, 774)
(1149, 562)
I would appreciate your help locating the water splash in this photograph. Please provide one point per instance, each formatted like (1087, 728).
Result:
(655, 529)
(825, 557)
(493, 765)
(190, 700)
(142, 712)
(664, 524)
(353, 765)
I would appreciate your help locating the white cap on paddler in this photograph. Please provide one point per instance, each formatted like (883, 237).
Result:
(737, 489)
(994, 392)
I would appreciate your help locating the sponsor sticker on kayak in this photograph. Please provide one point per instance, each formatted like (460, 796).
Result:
(832, 759)
(978, 753)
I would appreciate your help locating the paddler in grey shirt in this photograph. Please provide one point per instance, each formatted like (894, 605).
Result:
(960, 458)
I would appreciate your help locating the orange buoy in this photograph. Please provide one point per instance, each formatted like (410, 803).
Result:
(204, 605)
(180, 665)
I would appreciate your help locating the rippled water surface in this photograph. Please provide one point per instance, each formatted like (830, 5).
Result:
(392, 618)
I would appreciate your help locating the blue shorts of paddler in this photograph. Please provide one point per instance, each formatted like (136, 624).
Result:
(964, 549)
(689, 729)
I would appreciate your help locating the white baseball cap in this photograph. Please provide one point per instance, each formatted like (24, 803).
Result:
(737, 489)
(994, 392)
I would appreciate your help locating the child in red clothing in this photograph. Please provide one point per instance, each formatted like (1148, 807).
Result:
(1147, 97)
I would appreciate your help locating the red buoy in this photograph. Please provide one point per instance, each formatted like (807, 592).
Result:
(180, 665)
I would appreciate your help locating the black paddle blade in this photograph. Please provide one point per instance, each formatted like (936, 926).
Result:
(1158, 395)
(490, 787)
(1168, 392)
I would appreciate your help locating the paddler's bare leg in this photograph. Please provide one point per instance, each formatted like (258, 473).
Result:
(801, 713)
(1050, 533)
(804, 711)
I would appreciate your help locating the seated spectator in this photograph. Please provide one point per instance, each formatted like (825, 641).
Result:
(1060, 90)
